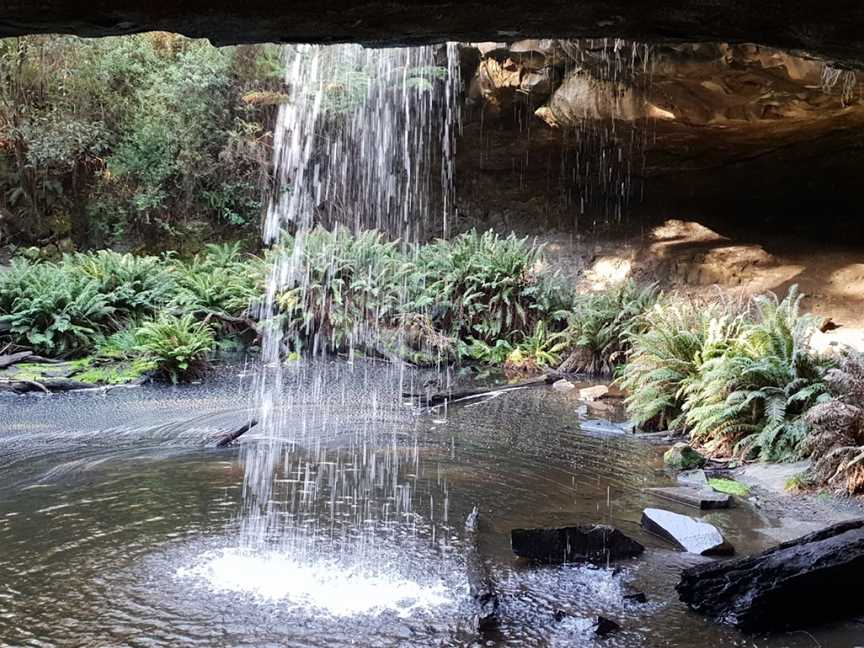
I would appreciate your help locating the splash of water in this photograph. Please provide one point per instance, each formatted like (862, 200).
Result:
(323, 585)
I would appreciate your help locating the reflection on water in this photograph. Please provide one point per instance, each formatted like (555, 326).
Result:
(119, 525)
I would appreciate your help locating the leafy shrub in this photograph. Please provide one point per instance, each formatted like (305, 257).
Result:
(752, 396)
(837, 440)
(480, 286)
(601, 324)
(178, 346)
(54, 310)
(667, 354)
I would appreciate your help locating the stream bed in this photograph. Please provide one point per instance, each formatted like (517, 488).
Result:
(120, 523)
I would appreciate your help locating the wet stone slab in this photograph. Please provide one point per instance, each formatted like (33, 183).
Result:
(700, 498)
(597, 544)
(687, 533)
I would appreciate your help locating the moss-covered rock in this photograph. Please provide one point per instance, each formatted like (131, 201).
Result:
(682, 457)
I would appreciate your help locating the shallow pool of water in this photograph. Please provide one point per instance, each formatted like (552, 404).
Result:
(120, 523)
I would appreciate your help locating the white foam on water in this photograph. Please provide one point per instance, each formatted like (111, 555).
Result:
(328, 586)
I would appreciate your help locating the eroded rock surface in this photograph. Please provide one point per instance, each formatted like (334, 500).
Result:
(564, 133)
(834, 30)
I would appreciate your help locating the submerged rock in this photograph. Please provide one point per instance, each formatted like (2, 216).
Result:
(682, 457)
(701, 498)
(693, 478)
(598, 544)
(808, 580)
(603, 626)
(634, 596)
(689, 534)
(563, 385)
(593, 393)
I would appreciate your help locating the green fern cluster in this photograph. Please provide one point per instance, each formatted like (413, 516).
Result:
(340, 285)
(177, 346)
(221, 280)
(737, 380)
(99, 302)
(480, 286)
(601, 323)
(51, 308)
(134, 286)
(755, 393)
(673, 342)
(472, 292)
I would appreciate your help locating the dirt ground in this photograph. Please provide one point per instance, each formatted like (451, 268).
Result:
(693, 260)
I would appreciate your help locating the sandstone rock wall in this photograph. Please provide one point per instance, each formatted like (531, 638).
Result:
(603, 132)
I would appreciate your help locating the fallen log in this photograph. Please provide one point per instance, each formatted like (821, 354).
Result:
(451, 396)
(805, 581)
(232, 436)
(22, 386)
(37, 359)
(14, 358)
(598, 544)
(480, 584)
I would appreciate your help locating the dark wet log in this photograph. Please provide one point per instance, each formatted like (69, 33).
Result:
(245, 322)
(13, 358)
(599, 544)
(480, 583)
(452, 396)
(21, 386)
(812, 579)
(232, 436)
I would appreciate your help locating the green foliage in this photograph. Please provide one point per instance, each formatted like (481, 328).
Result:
(480, 286)
(738, 381)
(177, 346)
(753, 394)
(144, 135)
(134, 286)
(667, 354)
(603, 322)
(95, 300)
(51, 308)
(342, 285)
(220, 280)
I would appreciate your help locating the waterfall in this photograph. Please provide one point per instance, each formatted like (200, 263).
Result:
(365, 140)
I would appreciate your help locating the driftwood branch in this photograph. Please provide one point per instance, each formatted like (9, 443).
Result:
(228, 319)
(21, 385)
(232, 436)
(452, 396)
(480, 584)
(14, 358)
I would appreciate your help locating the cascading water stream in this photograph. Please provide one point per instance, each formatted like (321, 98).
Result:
(358, 145)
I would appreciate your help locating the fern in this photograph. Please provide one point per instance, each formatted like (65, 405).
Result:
(754, 393)
(177, 346)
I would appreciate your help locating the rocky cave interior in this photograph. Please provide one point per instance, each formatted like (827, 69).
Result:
(698, 143)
